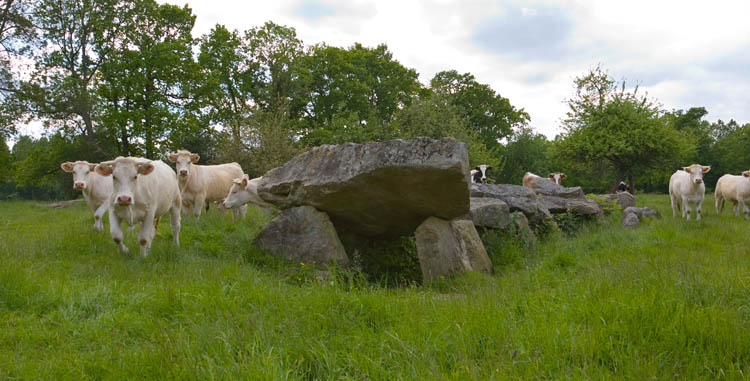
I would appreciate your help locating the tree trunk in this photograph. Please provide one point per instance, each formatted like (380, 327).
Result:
(631, 183)
(620, 178)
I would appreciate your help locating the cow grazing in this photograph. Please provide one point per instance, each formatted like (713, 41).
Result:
(479, 173)
(243, 191)
(144, 190)
(200, 184)
(686, 187)
(96, 188)
(223, 209)
(735, 189)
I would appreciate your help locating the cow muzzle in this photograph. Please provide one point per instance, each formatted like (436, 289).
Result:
(698, 181)
(124, 200)
(79, 185)
(183, 172)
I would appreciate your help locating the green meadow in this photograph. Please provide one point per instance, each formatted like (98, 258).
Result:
(669, 299)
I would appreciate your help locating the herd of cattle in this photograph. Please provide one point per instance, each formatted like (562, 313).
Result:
(141, 191)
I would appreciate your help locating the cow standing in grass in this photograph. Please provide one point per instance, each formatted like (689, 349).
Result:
(243, 191)
(686, 187)
(144, 190)
(735, 189)
(201, 184)
(96, 188)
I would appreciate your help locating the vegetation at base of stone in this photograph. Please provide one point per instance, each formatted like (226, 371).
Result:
(507, 247)
(388, 263)
(665, 300)
(608, 206)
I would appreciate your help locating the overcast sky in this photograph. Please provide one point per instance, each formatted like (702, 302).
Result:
(683, 53)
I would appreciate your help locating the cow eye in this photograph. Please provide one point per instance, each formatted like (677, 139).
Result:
(114, 177)
(135, 177)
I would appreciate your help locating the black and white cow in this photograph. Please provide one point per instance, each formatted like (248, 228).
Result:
(622, 187)
(479, 174)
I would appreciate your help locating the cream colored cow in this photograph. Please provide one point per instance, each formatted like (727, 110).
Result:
(96, 188)
(685, 188)
(735, 189)
(202, 183)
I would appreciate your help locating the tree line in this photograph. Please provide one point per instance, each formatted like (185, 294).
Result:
(114, 78)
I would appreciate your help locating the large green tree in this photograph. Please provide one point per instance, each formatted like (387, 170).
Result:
(611, 126)
(488, 113)
(16, 37)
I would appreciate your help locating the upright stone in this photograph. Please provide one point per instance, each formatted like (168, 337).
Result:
(303, 234)
(376, 189)
(449, 247)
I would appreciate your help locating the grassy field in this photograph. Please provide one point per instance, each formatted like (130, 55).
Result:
(670, 299)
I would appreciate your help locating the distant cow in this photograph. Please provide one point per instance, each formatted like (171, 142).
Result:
(144, 190)
(531, 180)
(96, 188)
(200, 184)
(735, 189)
(621, 187)
(479, 173)
(685, 188)
(243, 191)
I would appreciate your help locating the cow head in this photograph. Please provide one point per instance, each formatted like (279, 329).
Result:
(746, 174)
(125, 172)
(238, 194)
(81, 170)
(696, 172)
(479, 175)
(183, 160)
(557, 177)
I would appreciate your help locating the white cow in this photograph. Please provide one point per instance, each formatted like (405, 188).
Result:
(202, 183)
(685, 188)
(530, 180)
(735, 189)
(223, 209)
(96, 188)
(243, 191)
(479, 173)
(144, 190)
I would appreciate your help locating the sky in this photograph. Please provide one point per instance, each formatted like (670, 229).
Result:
(682, 53)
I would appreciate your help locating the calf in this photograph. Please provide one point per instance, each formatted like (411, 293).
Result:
(144, 190)
(202, 183)
(735, 189)
(96, 188)
(243, 191)
(479, 174)
(685, 188)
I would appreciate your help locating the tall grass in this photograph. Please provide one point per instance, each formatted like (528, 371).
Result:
(669, 299)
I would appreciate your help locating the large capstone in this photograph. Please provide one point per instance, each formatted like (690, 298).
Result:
(376, 189)
(303, 234)
(450, 247)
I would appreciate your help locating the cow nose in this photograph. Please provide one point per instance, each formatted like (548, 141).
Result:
(183, 172)
(484, 179)
(125, 200)
(698, 181)
(78, 185)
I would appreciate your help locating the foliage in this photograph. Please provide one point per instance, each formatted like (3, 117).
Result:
(611, 128)
(525, 151)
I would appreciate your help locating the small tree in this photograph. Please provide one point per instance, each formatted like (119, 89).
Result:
(612, 126)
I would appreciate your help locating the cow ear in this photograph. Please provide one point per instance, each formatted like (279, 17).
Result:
(104, 169)
(706, 168)
(145, 168)
(92, 166)
(746, 173)
(67, 166)
(562, 176)
(172, 157)
(477, 169)
(489, 167)
(244, 181)
(551, 176)
(686, 169)
(194, 158)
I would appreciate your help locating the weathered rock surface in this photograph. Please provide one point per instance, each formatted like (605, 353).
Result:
(580, 206)
(376, 189)
(547, 187)
(632, 216)
(623, 199)
(303, 234)
(517, 197)
(449, 247)
(489, 212)
(521, 224)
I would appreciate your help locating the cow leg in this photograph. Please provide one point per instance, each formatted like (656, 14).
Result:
(675, 204)
(736, 208)
(745, 211)
(235, 214)
(116, 232)
(198, 207)
(98, 217)
(698, 207)
(146, 234)
(685, 208)
(719, 204)
(243, 211)
(174, 217)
